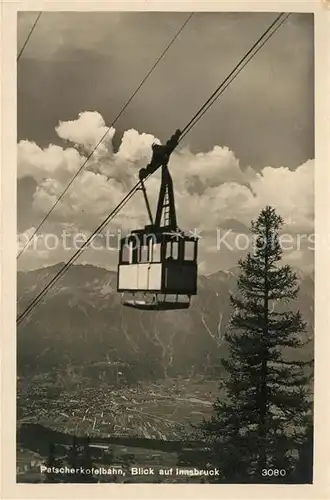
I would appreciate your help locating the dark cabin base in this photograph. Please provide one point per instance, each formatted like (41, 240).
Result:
(158, 304)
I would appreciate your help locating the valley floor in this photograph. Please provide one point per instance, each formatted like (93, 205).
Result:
(161, 410)
(156, 410)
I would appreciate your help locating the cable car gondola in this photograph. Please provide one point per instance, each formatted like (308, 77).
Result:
(158, 264)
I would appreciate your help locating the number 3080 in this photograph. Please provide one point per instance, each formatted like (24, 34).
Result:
(273, 472)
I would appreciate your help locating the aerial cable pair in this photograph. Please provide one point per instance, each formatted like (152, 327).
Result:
(270, 31)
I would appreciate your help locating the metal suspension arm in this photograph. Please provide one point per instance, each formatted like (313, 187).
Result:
(160, 158)
(166, 202)
(143, 188)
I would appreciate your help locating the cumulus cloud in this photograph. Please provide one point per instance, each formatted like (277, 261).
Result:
(87, 131)
(212, 190)
(52, 162)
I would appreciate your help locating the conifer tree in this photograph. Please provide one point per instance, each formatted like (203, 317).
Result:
(260, 423)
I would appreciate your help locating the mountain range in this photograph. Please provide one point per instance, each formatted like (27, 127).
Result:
(81, 326)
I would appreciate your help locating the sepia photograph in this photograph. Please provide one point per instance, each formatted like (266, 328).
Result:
(165, 247)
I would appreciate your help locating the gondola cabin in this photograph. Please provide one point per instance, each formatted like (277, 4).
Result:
(158, 263)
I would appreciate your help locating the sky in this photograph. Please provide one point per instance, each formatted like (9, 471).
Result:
(254, 147)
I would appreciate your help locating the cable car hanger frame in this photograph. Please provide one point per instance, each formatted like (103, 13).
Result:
(155, 261)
